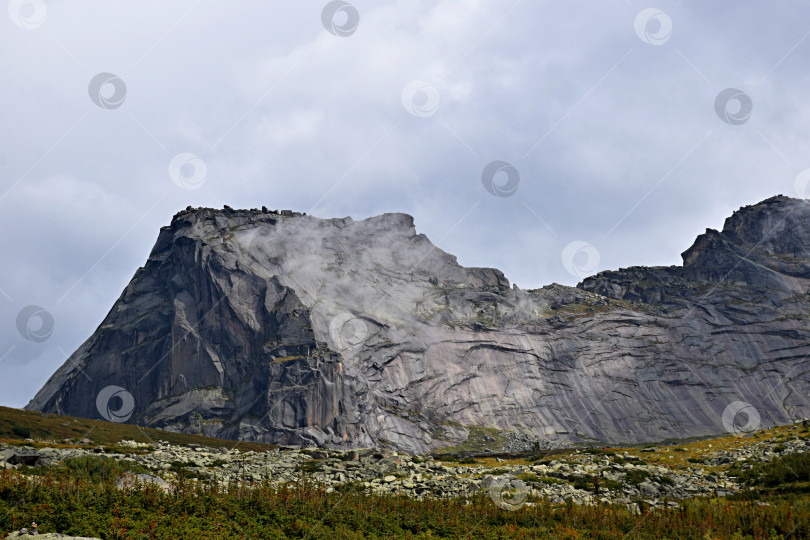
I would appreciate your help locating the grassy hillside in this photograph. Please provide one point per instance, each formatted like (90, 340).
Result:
(18, 424)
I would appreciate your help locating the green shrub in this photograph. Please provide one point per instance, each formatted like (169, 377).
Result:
(613, 485)
(305, 510)
(582, 482)
(310, 466)
(356, 486)
(665, 480)
(21, 432)
(590, 483)
(550, 480)
(635, 476)
(599, 452)
(528, 477)
(181, 469)
(787, 469)
(94, 469)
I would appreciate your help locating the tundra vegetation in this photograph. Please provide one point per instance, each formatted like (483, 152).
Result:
(764, 479)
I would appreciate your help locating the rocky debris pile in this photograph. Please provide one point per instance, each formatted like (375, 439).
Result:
(758, 451)
(524, 442)
(581, 476)
(14, 455)
(132, 480)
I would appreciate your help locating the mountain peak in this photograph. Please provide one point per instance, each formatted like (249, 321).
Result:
(275, 326)
(766, 244)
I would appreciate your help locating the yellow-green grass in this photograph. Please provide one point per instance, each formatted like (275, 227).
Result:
(52, 427)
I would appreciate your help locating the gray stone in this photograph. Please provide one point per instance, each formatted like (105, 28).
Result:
(388, 341)
(648, 490)
(24, 456)
(130, 481)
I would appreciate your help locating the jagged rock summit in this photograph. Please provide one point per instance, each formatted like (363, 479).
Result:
(285, 328)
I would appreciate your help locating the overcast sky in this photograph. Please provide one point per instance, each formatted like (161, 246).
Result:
(616, 142)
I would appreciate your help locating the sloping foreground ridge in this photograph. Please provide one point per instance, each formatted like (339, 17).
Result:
(285, 328)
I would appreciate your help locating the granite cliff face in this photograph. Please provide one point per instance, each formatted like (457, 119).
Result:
(286, 328)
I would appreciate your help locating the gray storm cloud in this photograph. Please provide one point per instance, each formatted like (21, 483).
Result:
(610, 121)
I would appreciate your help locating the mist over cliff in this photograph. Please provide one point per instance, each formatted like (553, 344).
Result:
(285, 328)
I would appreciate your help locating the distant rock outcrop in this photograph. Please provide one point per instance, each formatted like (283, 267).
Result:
(286, 328)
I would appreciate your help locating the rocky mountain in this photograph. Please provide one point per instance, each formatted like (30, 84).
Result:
(285, 328)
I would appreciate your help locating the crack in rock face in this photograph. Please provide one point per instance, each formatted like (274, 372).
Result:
(284, 328)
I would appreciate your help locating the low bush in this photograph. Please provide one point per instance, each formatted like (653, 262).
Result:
(779, 471)
(528, 477)
(21, 432)
(665, 480)
(79, 507)
(635, 476)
